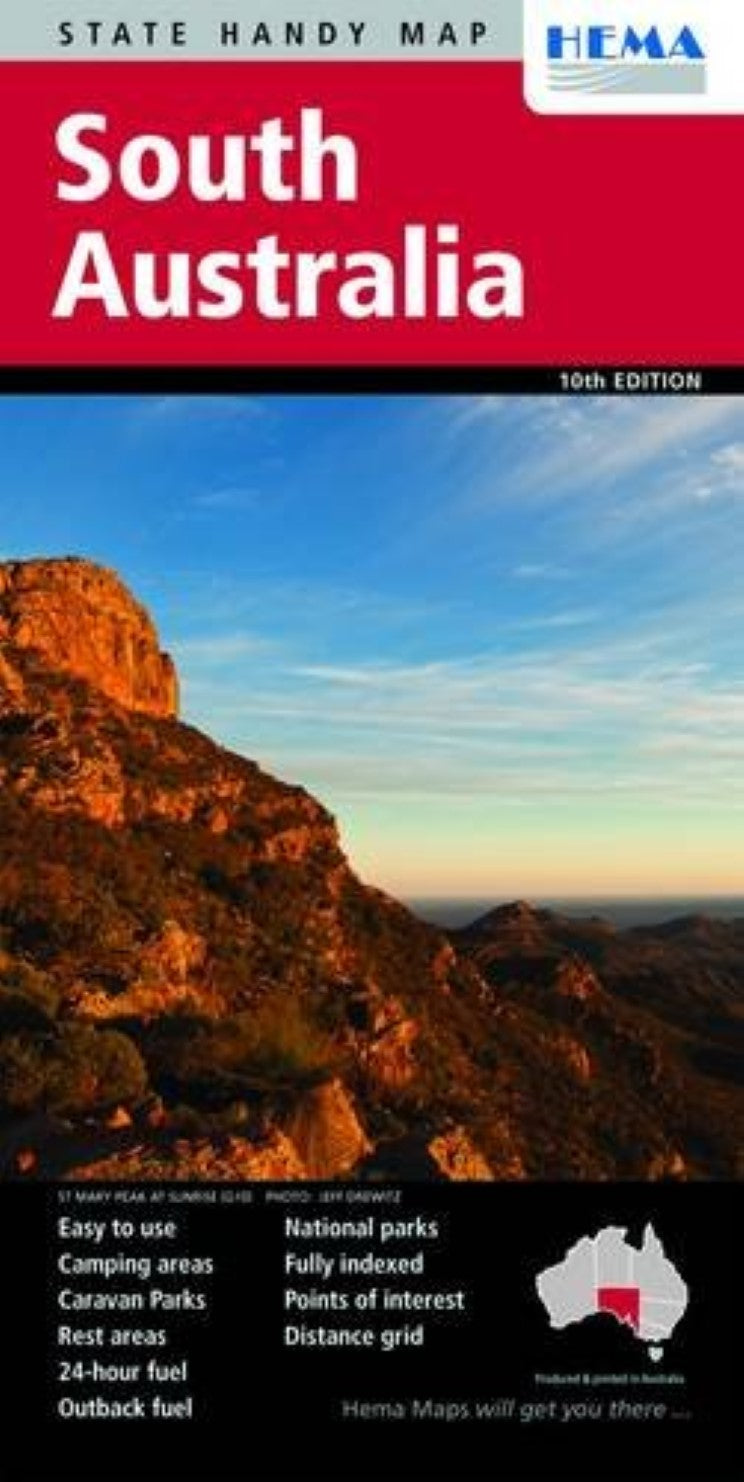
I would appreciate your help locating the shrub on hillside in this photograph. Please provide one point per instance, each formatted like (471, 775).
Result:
(279, 1042)
(80, 1070)
(29, 999)
(275, 1047)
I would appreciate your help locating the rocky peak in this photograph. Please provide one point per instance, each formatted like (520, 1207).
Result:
(515, 912)
(81, 619)
(516, 918)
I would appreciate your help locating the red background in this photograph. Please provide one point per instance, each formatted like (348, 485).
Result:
(629, 229)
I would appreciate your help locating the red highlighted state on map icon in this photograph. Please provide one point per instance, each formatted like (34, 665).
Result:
(624, 1302)
(605, 1272)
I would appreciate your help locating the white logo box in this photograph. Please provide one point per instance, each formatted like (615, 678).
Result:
(634, 56)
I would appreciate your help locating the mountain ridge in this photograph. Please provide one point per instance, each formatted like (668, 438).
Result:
(195, 984)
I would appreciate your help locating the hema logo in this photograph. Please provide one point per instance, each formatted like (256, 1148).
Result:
(611, 58)
(584, 57)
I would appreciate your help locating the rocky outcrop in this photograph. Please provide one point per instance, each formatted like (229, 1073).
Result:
(82, 621)
(457, 1158)
(171, 977)
(388, 1049)
(235, 1159)
(575, 980)
(11, 687)
(669, 1165)
(574, 1055)
(327, 1133)
(172, 902)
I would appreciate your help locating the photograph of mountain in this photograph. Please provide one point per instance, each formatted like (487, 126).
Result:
(371, 788)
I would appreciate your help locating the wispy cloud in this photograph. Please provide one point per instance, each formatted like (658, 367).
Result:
(215, 409)
(578, 617)
(724, 473)
(301, 605)
(231, 498)
(467, 411)
(562, 725)
(571, 447)
(500, 691)
(540, 571)
(220, 649)
(633, 434)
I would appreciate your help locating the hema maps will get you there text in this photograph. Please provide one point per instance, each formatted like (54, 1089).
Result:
(372, 879)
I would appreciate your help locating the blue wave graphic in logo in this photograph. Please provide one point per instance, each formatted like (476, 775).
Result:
(628, 77)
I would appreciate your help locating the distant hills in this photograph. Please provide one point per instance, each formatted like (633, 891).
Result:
(194, 983)
(653, 1017)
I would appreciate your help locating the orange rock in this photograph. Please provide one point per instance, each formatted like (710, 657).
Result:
(458, 1159)
(327, 1133)
(83, 621)
(575, 979)
(390, 1056)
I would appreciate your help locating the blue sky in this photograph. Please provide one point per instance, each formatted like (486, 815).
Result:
(499, 637)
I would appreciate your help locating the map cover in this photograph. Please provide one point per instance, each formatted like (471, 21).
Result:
(371, 693)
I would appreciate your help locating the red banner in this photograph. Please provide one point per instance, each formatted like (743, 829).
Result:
(617, 222)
